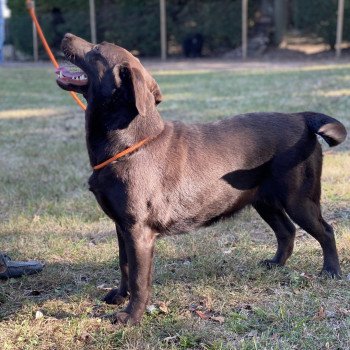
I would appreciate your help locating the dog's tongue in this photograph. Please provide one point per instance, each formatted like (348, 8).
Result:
(67, 72)
(71, 75)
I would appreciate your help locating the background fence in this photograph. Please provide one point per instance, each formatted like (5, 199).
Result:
(194, 27)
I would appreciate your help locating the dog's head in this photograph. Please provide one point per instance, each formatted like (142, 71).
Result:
(108, 72)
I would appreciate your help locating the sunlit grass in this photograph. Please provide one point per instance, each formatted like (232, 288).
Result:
(31, 112)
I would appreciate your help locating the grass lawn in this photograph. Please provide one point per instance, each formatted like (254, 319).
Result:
(209, 291)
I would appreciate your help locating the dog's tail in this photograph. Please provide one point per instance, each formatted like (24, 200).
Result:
(330, 129)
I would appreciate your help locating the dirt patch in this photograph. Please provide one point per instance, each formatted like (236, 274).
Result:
(273, 58)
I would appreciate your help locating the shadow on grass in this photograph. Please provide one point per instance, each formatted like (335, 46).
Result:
(65, 291)
(86, 282)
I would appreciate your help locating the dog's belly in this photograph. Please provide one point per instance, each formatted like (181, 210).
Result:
(182, 215)
(169, 211)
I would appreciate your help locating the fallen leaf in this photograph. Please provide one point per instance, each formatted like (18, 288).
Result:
(169, 339)
(202, 315)
(344, 311)
(321, 314)
(219, 319)
(162, 307)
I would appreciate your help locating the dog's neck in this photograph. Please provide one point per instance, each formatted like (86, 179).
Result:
(110, 131)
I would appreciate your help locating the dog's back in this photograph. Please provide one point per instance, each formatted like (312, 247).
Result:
(207, 171)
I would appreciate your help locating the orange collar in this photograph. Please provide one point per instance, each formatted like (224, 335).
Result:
(121, 154)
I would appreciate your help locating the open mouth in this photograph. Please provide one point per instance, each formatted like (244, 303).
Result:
(71, 75)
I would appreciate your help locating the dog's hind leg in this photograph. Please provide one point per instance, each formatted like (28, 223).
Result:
(118, 296)
(307, 214)
(284, 231)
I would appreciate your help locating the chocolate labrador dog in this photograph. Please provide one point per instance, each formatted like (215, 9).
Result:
(154, 178)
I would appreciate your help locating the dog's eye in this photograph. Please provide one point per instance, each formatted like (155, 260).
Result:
(96, 48)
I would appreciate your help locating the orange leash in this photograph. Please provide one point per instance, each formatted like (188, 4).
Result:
(30, 7)
(121, 154)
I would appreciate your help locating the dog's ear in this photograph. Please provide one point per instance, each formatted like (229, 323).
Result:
(145, 89)
(154, 87)
(144, 98)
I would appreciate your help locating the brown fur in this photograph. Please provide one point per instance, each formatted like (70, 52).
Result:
(188, 176)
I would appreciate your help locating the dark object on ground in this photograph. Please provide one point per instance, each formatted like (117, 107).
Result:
(187, 176)
(192, 45)
(12, 269)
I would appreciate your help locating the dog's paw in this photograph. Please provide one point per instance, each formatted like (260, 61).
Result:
(114, 297)
(121, 318)
(331, 272)
(269, 263)
(124, 318)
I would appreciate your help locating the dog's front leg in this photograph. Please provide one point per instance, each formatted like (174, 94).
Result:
(118, 296)
(139, 246)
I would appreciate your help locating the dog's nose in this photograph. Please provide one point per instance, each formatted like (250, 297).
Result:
(68, 36)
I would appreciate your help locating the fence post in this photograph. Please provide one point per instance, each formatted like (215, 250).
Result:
(92, 21)
(280, 20)
(35, 45)
(2, 33)
(163, 42)
(244, 28)
(35, 41)
(340, 19)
